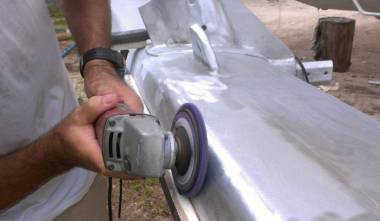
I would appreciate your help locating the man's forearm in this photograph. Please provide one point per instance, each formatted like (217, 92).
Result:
(25, 170)
(89, 22)
(72, 143)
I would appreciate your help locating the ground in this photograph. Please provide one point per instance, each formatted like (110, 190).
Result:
(294, 24)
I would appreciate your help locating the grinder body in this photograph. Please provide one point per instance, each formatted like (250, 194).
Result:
(137, 144)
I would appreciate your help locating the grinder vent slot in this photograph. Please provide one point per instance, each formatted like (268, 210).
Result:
(118, 153)
(114, 146)
(110, 149)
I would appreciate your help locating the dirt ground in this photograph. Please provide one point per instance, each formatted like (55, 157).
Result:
(293, 23)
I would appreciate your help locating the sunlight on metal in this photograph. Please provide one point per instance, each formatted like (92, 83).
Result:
(199, 89)
(251, 198)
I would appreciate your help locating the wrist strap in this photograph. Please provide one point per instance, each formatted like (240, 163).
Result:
(107, 54)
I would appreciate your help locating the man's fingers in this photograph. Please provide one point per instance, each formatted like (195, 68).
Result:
(95, 106)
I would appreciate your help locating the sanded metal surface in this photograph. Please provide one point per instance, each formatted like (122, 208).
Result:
(168, 21)
(228, 24)
(279, 149)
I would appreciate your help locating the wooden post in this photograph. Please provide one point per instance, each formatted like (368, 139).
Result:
(333, 40)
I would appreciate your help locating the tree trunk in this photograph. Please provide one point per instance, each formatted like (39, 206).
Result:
(333, 40)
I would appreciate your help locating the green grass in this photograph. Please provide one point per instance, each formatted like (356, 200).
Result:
(145, 186)
(60, 22)
(55, 11)
(145, 190)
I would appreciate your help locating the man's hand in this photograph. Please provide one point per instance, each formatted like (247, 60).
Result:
(72, 143)
(76, 134)
(101, 78)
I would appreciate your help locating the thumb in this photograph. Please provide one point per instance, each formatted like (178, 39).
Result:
(95, 106)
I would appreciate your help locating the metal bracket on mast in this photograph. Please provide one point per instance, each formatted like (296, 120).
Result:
(202, 48)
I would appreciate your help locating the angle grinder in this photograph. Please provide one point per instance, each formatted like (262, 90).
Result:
(138, 145)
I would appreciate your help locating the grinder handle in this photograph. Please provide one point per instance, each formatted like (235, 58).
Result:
(120, 109)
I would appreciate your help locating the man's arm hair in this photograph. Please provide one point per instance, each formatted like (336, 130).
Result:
(24, 170)
(72, 143)
(89, 22)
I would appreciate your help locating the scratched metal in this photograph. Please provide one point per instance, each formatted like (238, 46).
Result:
(275, 153)
(280, 149)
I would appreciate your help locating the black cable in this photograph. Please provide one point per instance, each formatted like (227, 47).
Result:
(110, 198)
(306, 75)
(120, 196)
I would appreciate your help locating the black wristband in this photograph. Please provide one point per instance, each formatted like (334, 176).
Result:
(107, 54)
